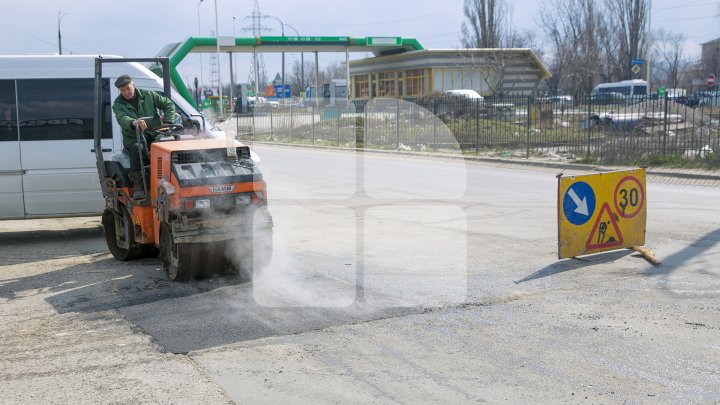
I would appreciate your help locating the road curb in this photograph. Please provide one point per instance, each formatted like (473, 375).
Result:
(503, 161)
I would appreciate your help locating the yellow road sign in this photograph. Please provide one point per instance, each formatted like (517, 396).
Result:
(599, 212)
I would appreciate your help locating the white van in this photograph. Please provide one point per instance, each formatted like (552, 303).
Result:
(47, 108)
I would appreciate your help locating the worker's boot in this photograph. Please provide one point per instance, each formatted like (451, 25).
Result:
(137, 183)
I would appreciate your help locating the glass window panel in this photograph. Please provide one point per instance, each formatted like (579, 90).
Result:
(8, 111)
(61, 109)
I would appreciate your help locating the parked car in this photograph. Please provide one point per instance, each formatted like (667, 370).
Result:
(694, 99)
(466, 93)
(712, 100)
(566, 100)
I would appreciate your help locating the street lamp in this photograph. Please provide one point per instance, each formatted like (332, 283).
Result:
(282, 33)
(201, 62)
(233, 71)
(234, 74)
(217, 44)
(302, 62)
(60, 17)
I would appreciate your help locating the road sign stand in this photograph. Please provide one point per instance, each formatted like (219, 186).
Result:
(648, 254)
(600, 212)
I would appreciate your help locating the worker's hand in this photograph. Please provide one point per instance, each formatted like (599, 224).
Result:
(141, 123)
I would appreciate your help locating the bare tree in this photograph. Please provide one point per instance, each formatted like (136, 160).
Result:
(297, 82)
(573, 28)
(668, 56)
(485, 24)
(629, 31)
(334, 70)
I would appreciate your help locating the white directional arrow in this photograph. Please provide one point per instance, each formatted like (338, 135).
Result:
(582, 207)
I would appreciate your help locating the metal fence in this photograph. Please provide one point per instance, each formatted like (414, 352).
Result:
(648, 132)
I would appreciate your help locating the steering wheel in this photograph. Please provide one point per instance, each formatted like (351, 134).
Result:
(169, 128)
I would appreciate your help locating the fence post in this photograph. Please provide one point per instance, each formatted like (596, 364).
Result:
(589, 125)
(477, 127)
(337, 122)
(397, 124)
(665, 126)
(272, 131)
(312, 117)
(434, 120)
(365, 127)
(292, 129)
(527, 129)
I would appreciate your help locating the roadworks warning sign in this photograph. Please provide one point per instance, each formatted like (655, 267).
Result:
(599, 212)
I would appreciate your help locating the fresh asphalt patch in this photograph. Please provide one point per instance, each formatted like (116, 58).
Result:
(232, 314)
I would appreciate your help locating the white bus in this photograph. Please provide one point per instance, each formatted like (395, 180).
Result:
(47, 109)
(631, 90)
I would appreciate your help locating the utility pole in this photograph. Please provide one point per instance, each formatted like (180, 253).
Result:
(649, 57)
(60, 17)
(201, 61)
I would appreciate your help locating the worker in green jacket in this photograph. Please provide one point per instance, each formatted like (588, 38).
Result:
(129, 106)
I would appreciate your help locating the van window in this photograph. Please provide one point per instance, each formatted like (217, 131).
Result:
(60, 109)
(8, 111)
(640, 90)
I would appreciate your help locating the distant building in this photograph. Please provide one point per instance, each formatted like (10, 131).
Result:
(710, 55)
(696, 74)
(426, 72)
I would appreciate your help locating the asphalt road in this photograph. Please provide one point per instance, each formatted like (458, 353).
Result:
(394, 279)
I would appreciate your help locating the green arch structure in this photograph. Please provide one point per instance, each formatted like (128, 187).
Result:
(176, 52)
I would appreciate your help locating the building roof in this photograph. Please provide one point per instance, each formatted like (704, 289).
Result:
(448, 58)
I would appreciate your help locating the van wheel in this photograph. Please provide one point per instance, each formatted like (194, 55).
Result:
(120, 235)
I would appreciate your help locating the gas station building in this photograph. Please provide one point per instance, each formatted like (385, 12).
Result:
(423, 72)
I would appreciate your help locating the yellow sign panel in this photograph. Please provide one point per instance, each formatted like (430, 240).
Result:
(599, 212)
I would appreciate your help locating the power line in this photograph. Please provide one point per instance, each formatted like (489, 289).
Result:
(420, 17)
(688, 4)
(688, 19)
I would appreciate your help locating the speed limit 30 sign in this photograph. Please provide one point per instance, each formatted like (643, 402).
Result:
(599, 212)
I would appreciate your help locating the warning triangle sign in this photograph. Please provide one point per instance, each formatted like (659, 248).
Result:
(605, 233)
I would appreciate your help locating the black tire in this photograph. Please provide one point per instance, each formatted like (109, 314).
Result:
(180, 260)
(126, 234)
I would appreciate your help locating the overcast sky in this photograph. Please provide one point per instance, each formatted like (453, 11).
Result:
(141, 28)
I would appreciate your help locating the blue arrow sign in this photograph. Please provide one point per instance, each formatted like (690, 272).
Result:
(579, 203)
(638, 61)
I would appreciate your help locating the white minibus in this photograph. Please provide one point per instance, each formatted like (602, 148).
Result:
(631, 90)
(47, 109)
